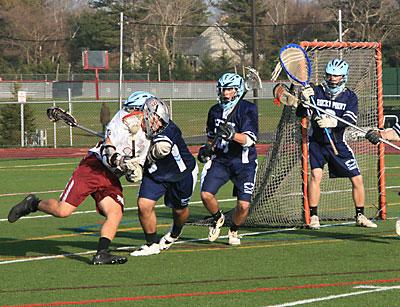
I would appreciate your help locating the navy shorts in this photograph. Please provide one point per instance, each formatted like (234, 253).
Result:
(215, 174)
(343, 165)
(176, 194)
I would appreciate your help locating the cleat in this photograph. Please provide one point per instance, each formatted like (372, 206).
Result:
(28, 205)
(147, 250)
(398, 227)
(234, 238)
(314, 222)
(104, 257)
(166, 241)
(362, 221)
(215, 229)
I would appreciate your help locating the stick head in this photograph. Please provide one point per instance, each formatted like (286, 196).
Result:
(296, 64)
(252, 79)
(55, 114)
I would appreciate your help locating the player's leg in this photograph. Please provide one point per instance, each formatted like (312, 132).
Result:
(359, 200)
(243, 178)
(314, 195)
(177, 197)
(112, 210)
(318, 154)
(150, 191)
(214, 175)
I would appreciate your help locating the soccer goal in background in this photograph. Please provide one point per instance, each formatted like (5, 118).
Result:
(280, 196)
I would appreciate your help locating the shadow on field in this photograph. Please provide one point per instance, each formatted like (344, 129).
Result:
(37, 248)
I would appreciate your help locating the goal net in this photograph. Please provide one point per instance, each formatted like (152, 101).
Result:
(280, 197)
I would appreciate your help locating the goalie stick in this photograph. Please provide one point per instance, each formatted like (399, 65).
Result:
(56, 114)
(351, 125)
(252, 81)
(297, 65)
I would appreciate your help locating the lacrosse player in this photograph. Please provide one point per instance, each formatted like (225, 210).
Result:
(332, 96)
(230, 154)
(98, 175)
(390, 134)
(170, 171)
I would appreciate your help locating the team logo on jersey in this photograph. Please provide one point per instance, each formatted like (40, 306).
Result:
(351, 164)
(248, 187)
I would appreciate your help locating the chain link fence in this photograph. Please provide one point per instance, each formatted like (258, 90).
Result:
(189, 103)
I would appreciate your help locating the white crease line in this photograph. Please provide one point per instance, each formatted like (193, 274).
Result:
(35, 165)
(332, 297)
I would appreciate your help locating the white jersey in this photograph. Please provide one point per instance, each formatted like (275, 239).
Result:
(118, 133)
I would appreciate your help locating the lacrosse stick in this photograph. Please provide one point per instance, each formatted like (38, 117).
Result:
(282, 94)
(351, 125)
(55, 114)
(252, 81)
(297, 65)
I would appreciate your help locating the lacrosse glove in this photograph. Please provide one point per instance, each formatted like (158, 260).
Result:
(372, 136)
(306, 94)
(226, 131)
(205, 153)
(326, 121)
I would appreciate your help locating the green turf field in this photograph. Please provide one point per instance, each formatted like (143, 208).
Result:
(44, 260)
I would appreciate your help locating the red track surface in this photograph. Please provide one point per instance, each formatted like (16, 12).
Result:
(68, 152)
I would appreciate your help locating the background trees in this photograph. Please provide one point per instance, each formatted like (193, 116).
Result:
(48, 36)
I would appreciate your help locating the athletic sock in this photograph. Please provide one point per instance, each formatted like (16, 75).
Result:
(313, 211)
(359, 210)
(234, 227)
(176, 231)
(104, 243)
(151, 238)
(216, 216)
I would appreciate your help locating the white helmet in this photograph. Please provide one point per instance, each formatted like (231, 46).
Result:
(230, 80)
(156, 116)
(136, 100)
(336, 67)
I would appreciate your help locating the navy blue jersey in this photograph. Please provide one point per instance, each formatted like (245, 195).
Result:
(177, 164)
(245, 120)
(344, 105)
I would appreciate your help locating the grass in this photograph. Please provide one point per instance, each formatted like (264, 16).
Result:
(272, 266)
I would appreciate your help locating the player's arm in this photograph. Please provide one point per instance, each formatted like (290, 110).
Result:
(159, 149)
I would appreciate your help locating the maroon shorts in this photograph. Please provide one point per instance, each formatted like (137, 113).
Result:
(91, 177)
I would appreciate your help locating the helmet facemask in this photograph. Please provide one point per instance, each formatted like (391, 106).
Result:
(335, 67)
(230, 81)
(155, 117)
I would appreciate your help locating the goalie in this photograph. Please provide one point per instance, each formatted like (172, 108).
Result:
(327, 141)
(98, 175)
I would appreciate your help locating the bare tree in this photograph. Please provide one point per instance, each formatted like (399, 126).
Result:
(367, 20)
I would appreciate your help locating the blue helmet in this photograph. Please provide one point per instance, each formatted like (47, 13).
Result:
(336, 67)
(136, 100)
(230, 80)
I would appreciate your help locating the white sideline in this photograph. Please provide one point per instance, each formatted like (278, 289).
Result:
(332, 297)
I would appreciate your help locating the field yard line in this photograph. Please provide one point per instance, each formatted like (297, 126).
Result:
(332, 297)
(212, 293)
(126, 209)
